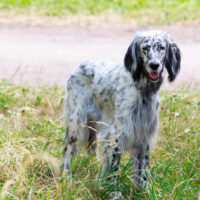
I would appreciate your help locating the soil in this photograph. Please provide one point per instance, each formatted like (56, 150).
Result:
(46, 53)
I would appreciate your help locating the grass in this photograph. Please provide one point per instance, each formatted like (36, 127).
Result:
(142, 11)
(31, 145)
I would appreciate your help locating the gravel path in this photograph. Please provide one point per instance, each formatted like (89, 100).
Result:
(46, 54)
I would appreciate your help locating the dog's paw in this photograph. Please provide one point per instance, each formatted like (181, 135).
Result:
(116, 196)
(140, 185)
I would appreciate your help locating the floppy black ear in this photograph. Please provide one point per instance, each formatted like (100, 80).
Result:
(128, 59)
(173, 61)
(133, 60)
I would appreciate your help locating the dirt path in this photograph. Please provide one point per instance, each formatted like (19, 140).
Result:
(46, 54)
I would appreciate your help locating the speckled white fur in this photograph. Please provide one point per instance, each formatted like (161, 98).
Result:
(116, 106)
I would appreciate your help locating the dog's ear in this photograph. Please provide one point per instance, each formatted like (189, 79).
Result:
(128, 59)
(133, 60)
(172, 61)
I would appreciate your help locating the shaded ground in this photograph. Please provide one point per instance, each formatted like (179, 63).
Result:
(47, 53)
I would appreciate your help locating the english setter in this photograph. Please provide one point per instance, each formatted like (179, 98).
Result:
(117, 104)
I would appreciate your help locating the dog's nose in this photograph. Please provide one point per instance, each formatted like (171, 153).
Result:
(154, 65)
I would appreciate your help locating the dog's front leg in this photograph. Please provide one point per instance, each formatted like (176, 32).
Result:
(109, 174)
(110, 154)
(111, 159)
(140, 161)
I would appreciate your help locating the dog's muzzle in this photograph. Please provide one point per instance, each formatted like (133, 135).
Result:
(154, 75)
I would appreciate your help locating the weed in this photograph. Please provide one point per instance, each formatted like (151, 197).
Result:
(31, 146)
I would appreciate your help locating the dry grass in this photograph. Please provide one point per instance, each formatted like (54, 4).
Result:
(31, 145)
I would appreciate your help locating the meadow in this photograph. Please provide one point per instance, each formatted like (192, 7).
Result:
(32, 125)
(31, 149)
(142, 11)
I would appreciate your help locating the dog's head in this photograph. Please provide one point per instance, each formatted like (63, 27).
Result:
(149, 53)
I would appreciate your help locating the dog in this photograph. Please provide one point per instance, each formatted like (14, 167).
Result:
(116, 105)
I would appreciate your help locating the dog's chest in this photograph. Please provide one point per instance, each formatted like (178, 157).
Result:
(137, 115)
(143, 113)
(137, 123)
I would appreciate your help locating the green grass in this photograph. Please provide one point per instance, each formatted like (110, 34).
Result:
(31, 145)
(142, 11)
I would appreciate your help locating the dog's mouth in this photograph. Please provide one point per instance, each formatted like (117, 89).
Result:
(154, 76)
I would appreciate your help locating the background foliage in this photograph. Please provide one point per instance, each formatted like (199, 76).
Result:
(140, 10)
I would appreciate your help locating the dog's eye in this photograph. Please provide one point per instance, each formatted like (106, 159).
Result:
(162, 48)
(145, 48)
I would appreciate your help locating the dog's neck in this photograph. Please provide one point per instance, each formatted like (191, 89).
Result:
(147, 88)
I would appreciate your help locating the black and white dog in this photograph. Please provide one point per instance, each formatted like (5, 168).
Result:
(116, 105)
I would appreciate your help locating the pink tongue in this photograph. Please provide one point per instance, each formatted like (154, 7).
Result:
(154, 75)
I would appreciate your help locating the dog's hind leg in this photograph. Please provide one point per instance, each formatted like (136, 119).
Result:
(69, 151)
(78, 100)
(92, 122)
(76, 132)
(91, 146)
(76, 122)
